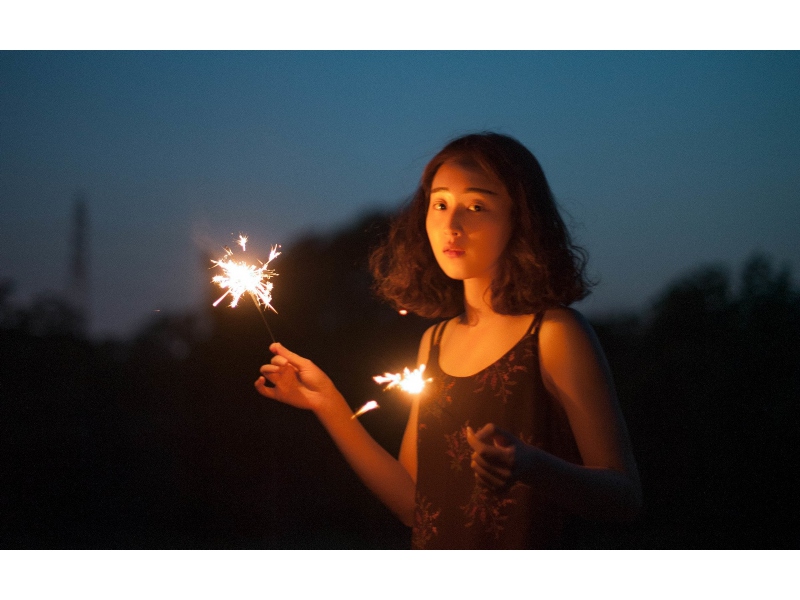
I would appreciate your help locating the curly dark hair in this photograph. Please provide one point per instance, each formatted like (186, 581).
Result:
(539, 269)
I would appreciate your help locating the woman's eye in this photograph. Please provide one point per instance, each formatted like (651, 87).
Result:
(476, 208)
(438, 205)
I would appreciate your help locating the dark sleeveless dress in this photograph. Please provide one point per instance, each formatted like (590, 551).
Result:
(454, 511)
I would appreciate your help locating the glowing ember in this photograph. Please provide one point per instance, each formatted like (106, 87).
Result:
(242, 241)
(403, 311)
(410, 381)
(240, 278)
(371, 405)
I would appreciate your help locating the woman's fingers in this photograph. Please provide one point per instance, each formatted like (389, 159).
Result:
(491, 461)
(279, 361)
(484, 434)
(491, 434)
(277, 365)
(295, 360)
(285, 386)
(496, 467)
(496, 470)
(490, 477)
(296, 380)
(486, 442)
(280, 376)
(264, 390)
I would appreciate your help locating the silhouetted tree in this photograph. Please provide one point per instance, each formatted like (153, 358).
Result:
(162, 442)
(708, 383)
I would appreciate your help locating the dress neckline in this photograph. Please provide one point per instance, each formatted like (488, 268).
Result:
(532, 330)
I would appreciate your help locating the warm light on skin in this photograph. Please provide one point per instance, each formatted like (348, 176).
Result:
(468, 221)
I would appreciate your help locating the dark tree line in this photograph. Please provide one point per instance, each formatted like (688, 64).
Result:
(162, 442)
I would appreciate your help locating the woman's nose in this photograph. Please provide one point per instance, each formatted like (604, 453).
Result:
(455, 221)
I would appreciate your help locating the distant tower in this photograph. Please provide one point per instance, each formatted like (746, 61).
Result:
(79, 260)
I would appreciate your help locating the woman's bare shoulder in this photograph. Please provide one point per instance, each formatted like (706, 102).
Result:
(567, 343)
(573, 363)
(563, 320)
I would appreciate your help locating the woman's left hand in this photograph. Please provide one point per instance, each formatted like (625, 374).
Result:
(496, 455)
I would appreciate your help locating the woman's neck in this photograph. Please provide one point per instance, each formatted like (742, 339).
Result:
(478, 307)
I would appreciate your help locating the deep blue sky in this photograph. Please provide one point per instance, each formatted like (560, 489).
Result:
(662, 160)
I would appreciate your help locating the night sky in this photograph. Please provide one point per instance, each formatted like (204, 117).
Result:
(662, 161)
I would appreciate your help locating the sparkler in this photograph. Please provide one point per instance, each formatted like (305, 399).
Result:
(371, 405)
(240, 278)
(410, 381)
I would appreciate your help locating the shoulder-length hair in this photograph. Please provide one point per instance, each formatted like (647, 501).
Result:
(540, 267)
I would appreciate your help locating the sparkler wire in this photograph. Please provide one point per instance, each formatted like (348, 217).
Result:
(263, 318)
(239, 277)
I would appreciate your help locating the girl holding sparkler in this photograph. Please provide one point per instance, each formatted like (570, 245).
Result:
(520, 426)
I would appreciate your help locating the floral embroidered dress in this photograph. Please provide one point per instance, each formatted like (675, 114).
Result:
(454, 511)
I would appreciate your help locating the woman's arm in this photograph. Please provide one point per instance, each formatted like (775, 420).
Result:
(408, 447)
(300, 383)
(576, 373)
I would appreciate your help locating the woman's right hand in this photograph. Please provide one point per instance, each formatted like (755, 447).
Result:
(299, 382)
(295, 380)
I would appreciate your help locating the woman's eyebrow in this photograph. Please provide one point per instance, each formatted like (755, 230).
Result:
(471, 189)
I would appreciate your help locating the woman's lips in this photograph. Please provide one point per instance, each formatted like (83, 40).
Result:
(453, 252)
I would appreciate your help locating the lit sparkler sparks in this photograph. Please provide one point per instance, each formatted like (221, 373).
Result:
(240, 278)
(371, 405)
(410, 381)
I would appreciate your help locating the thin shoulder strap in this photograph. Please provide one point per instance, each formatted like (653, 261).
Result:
(537, 320)
(437, 334)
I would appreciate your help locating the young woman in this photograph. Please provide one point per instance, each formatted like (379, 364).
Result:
(521, 425)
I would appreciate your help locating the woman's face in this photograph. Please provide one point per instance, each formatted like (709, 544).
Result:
(468, 221)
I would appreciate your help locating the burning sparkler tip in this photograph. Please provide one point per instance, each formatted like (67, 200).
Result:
(239, 277)
(371, 405)
(410, 381)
